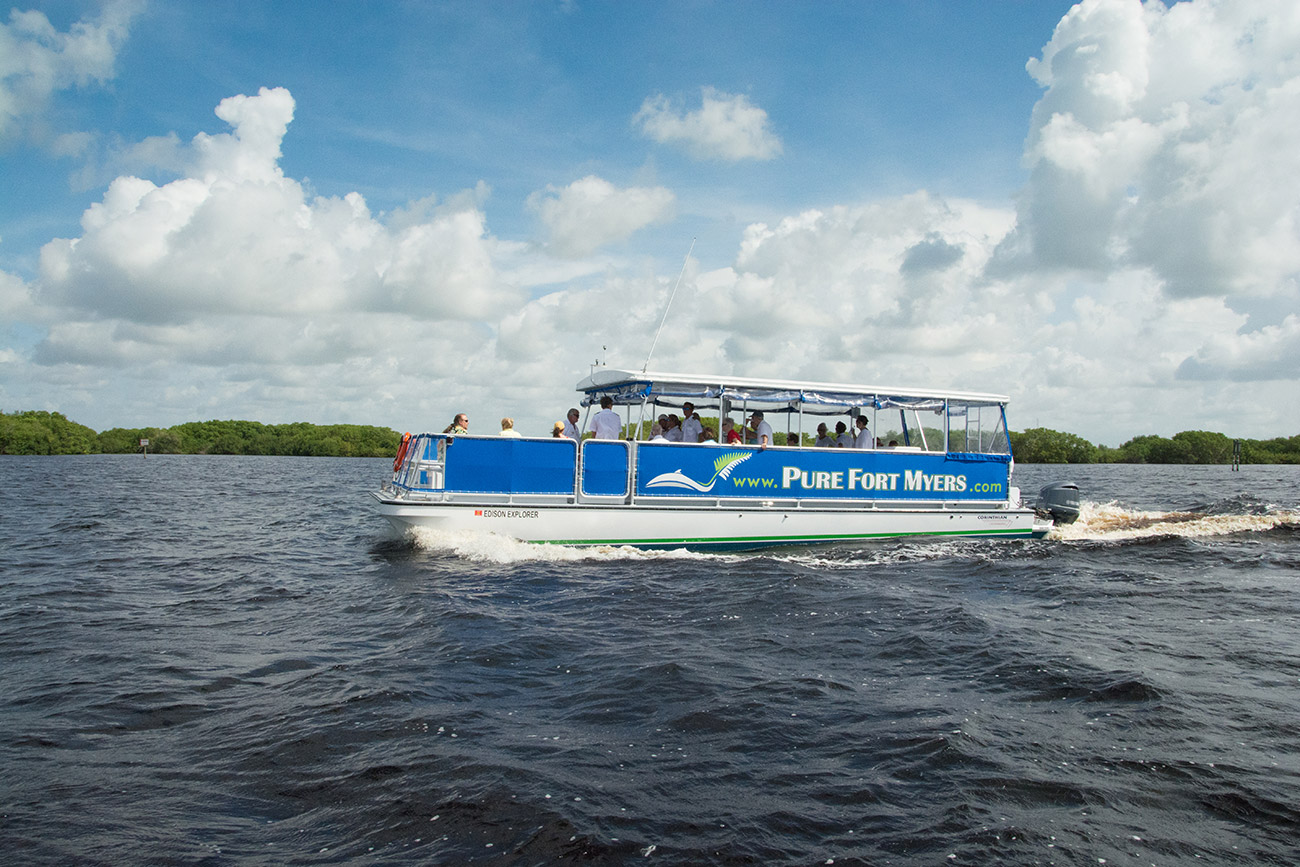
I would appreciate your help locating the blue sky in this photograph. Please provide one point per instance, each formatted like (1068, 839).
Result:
(397, 101)
(403, 210)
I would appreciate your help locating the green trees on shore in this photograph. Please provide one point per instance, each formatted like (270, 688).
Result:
(50, 433)
(45, 433)
(1044, 446)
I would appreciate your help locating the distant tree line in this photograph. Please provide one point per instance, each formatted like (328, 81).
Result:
(50, 433)
(1043, 446)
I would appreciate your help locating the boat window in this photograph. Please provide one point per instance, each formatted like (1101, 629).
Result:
(977, 428)
(910, 429)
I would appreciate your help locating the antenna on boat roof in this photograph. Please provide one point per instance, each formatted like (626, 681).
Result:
(667, 306)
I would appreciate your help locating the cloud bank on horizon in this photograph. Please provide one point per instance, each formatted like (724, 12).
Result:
(1145, 278)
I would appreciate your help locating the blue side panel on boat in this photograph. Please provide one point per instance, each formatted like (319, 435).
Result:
(604, 468)
(505, 465)
(711, 471)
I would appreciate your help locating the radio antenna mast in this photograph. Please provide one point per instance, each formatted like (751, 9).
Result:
(667, 306)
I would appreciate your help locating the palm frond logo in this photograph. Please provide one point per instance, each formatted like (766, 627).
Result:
(722, 468)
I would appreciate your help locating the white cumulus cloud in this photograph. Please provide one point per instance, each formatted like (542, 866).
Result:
(36, 60)
(1269, 353)
(235, 236)
(725, 127)
(591, 212)
(1166, 139)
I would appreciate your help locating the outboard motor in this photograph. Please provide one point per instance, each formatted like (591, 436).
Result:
(1059, 501)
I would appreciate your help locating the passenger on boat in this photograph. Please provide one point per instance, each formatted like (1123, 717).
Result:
(673, 432)
(570, 426)
(508, 428)
(863, 440)
(692, 429)
(729, 433)
(657, 433)
(606, 424)
(824, 439)
(843, 439)
(792, 439)
(557, 431)
(459, 425)
(761, 430)
(676, 434)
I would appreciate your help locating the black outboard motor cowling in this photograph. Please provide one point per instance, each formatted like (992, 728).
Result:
(1059, 501)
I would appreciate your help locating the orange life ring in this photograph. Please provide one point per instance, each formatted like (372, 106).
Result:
(401, 451)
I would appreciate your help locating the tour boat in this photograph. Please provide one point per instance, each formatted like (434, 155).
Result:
(936, 464)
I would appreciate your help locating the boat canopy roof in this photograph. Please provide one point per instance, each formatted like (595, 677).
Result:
(628, 387)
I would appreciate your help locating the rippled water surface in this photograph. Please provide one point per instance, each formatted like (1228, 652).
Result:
(225, 660)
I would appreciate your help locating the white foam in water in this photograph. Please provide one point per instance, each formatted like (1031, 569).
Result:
(885, 552)
(1111, 521)
(495, 548)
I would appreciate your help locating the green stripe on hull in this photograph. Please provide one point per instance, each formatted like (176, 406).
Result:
(768, 541)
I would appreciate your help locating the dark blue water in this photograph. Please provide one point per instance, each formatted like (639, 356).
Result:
(222, 660)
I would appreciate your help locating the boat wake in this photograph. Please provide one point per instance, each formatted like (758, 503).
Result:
(1114, 522)
(494, 548)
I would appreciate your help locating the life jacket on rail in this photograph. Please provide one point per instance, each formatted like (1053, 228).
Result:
(401, 451)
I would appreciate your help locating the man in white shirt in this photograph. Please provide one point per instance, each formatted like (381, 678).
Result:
(692, 430)
(571, 425)
(843, 439)
(606, 424)
(863, 439)
(762, 430)
(824, 439)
